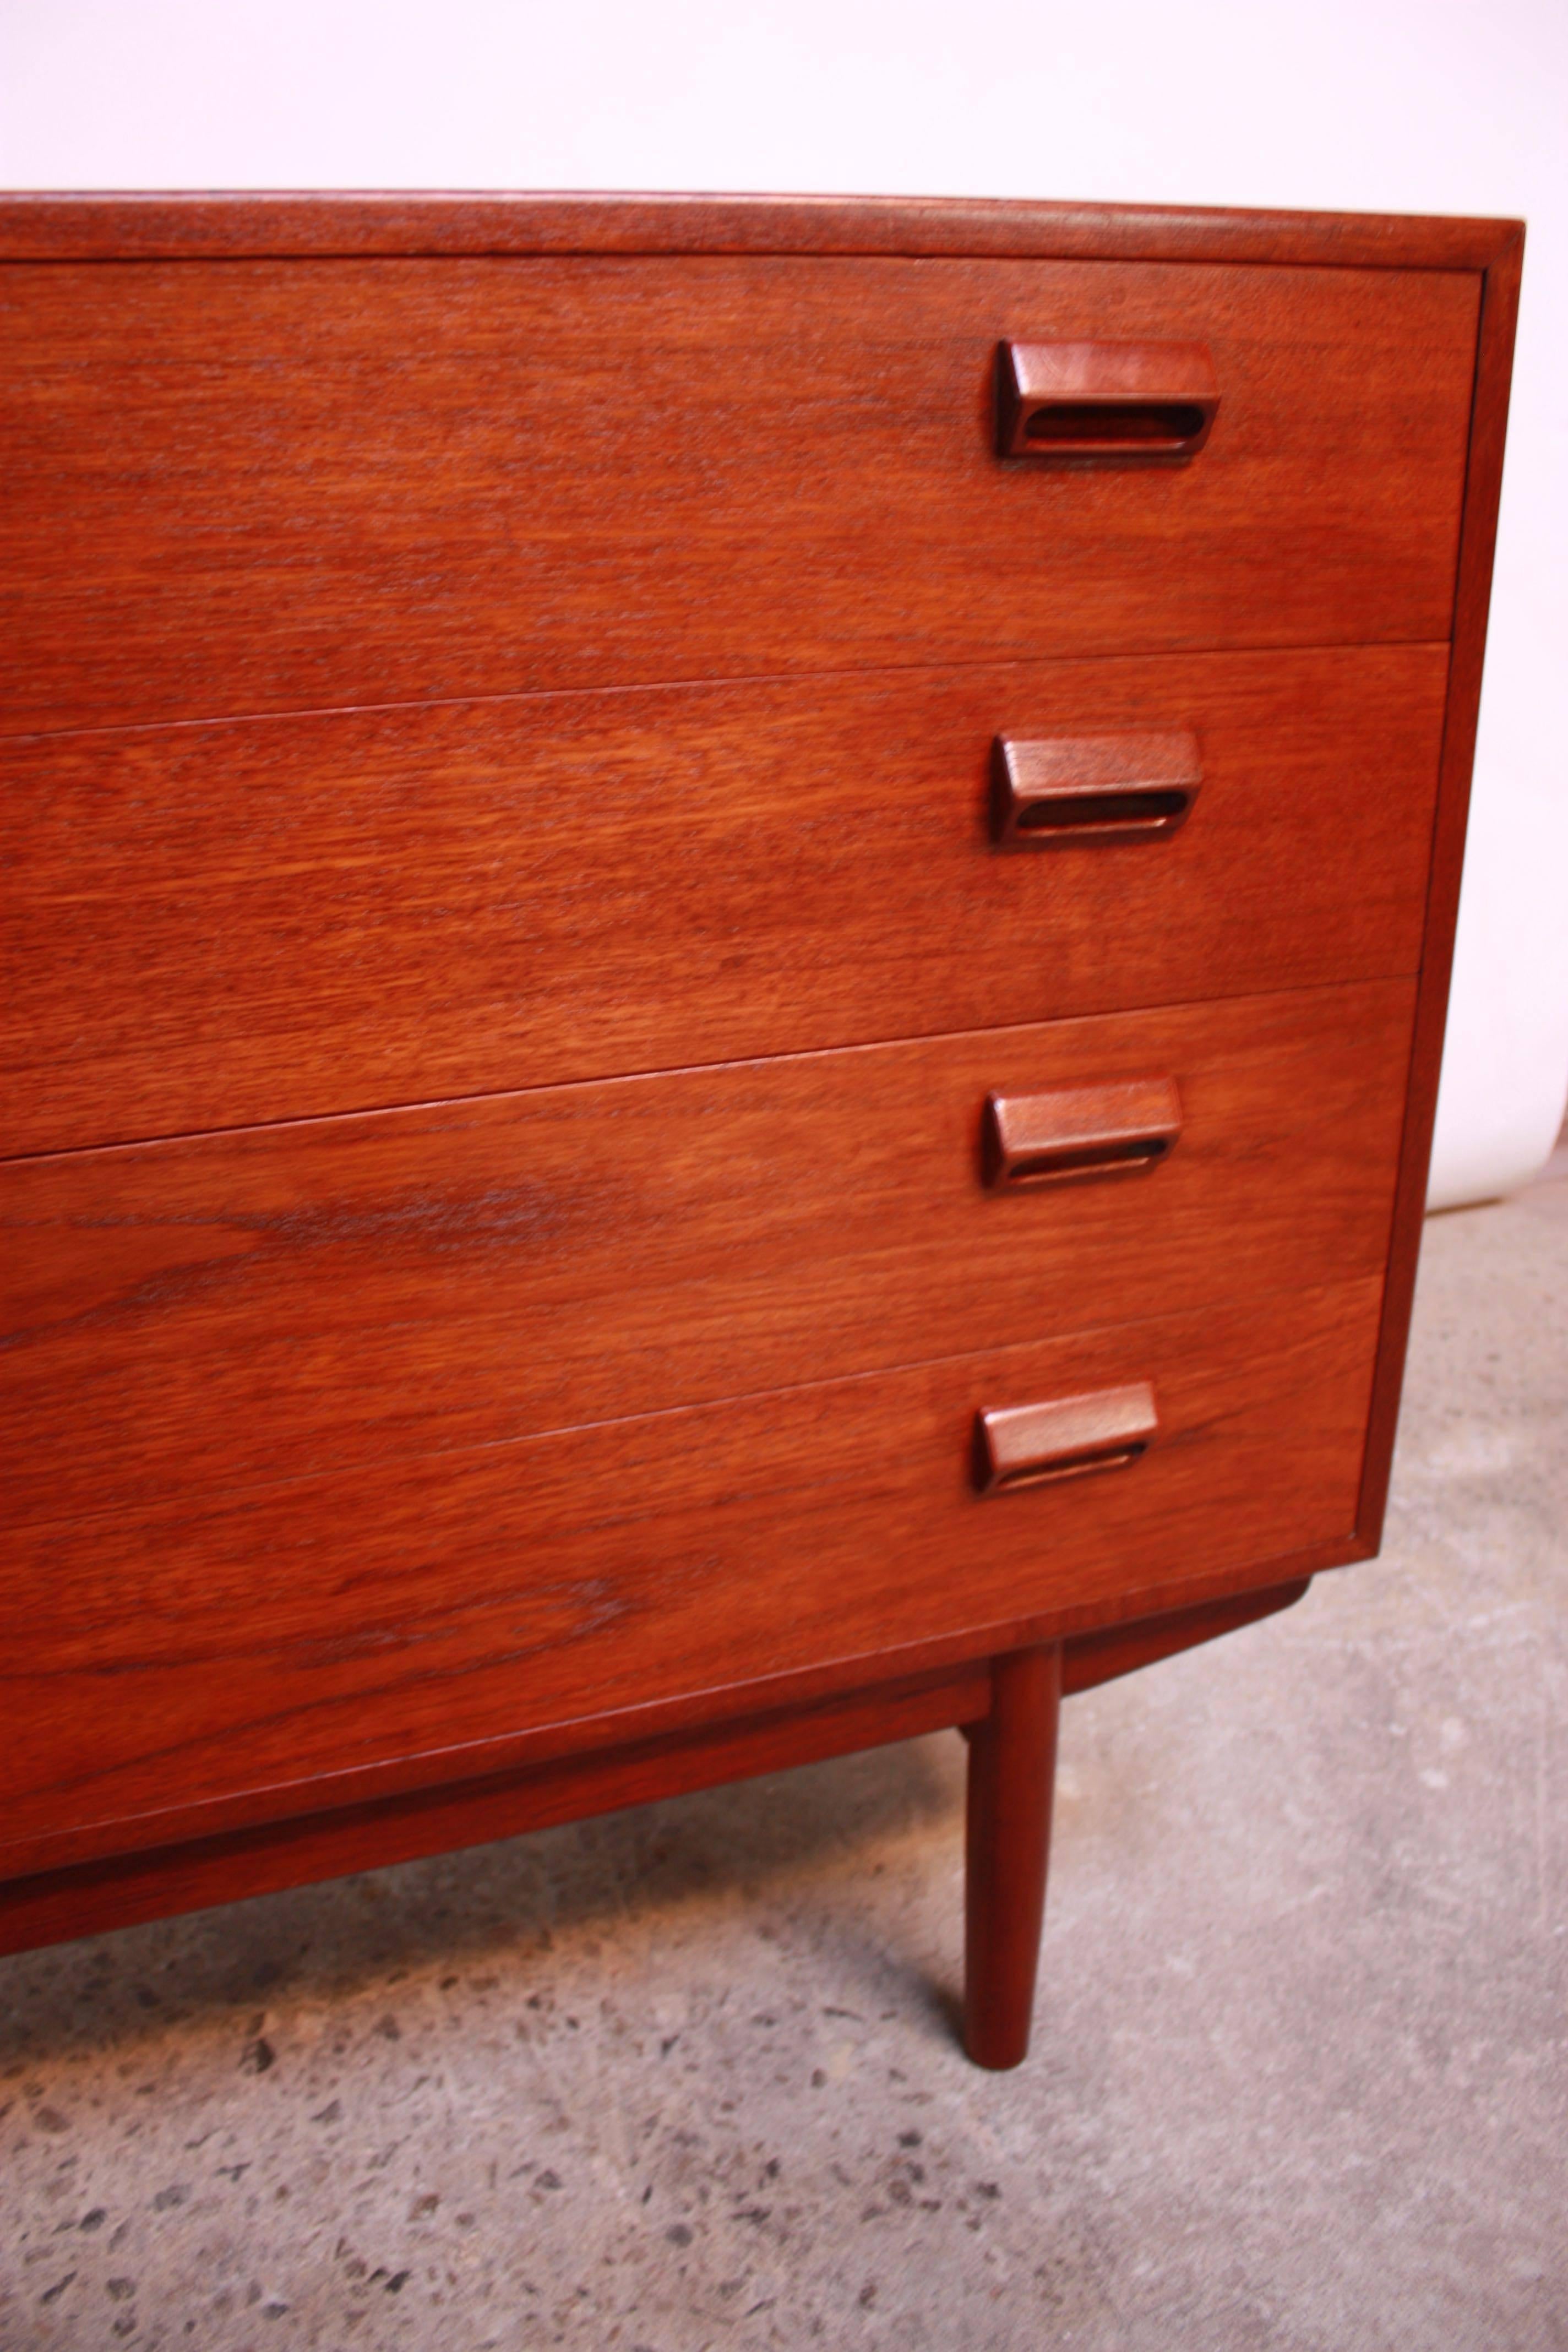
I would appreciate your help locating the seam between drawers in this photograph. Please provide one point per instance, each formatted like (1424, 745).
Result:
(803, 677)
(1410, 975)
(366, 1465)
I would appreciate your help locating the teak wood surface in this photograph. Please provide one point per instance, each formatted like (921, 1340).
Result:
(286, 1636)
(240, 486)
(281, 224)
(1012, 1778)
(190, 1316)
(507, 960)
(74, 1901)
(212, 925)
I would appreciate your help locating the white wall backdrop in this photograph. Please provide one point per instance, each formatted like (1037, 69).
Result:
(1378, 105)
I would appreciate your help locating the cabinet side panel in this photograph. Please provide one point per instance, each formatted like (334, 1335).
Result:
(1483, 484)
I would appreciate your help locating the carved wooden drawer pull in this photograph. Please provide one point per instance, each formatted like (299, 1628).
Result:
(1035, 1445)
(1105, 403)
(1066, 791)
(1075, 1131)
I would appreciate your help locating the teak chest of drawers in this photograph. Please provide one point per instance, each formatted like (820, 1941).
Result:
(728, 925)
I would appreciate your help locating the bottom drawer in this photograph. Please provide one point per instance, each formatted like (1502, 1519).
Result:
(190, 1666)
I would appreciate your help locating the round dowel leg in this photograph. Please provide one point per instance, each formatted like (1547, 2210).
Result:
(1012, 1776)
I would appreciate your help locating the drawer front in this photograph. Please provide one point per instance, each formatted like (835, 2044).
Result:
(210, 925)
(227, 1652)
(268, 486)
(229, 1309)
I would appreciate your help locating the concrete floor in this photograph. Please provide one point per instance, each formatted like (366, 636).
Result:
(685, 2077)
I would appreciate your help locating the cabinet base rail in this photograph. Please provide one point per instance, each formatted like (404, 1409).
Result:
(1007, 1707)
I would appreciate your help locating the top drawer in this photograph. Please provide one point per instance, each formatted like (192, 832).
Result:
(251, 486)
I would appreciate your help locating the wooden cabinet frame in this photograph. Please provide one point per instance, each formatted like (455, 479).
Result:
(1005, 1691)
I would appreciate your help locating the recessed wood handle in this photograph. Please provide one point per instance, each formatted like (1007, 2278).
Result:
(1036, 1444)
(1105, 403)
(1061, 790)
(1078, 1131)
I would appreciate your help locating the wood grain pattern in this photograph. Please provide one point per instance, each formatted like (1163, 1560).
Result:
(82, 1899)
(302, 1563)
(1483, 487)
(207, 927)
(255, 1306)
(268, 486)
(590, 1739)
(161, 1662)
(282, 224)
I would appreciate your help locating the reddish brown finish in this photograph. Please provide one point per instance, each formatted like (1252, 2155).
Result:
(292, 1508)
(91, 1895)
(1012, 1780)
(595, 1734)
(278, 225)
(1083, 789)
(285, 1634)
(1073, 1132)
(1483, 487)
(1104, 404)
(81, 1900)
(1021, 1445)
(406, 483)
(185, 1318)
(207, 927)
(1095, 1658)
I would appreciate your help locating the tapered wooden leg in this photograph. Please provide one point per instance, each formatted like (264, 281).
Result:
(1012, 1778)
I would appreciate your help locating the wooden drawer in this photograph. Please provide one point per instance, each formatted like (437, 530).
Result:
(222, 1309)
(273, 485)
(211, 926)
(215, 1659)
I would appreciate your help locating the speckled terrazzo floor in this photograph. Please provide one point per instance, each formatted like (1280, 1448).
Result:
(685, 2077)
